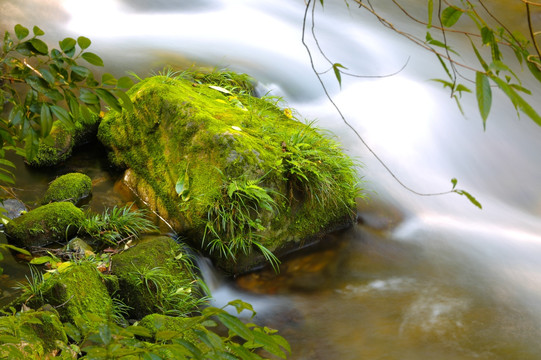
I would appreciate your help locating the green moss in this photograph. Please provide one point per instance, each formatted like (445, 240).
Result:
(181, 130)
(79, 293)
(180, 325)
(45, 224)
(59, 147)
(72, 187)
(34, 331)
(153, 278)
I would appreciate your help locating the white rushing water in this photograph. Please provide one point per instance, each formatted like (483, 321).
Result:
(408, 121)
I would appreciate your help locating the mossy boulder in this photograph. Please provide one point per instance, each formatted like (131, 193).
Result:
(78, 292)
(63, 140)
(152, 277)
(45, 224)
(231, 172)
(180, 325)
(31, 334)
(72, 187)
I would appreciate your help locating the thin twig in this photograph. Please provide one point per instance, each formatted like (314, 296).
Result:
(308, 4)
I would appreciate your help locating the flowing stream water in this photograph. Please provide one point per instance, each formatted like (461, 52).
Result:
(417, 277)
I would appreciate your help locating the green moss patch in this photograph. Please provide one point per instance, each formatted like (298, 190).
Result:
(208, 160)
(73, 187)
(155, 276)
(46, 224)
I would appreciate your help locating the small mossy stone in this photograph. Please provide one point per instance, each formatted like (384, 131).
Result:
(155, 254)
(64, 141)
(72, 187)
(45, 224)
(80, 295)
(34, 332)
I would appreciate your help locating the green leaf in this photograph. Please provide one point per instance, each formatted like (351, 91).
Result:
(62, 115)
(88, 97)
(40, 46)
(92, 58)
(125, 100)
(454, 181)
(484, 95)
(236, 326)
(479, 57)
(37, 31)
(83, 42)
(109, 99)
(41, 260)
(5, 178)
(470, 198)
(15, 248)
(336, 68)
(108, 79)
(68, 45)
(450, 16)
(82, 71)
(21, 32)
(517, 100)
(46, 123)
(125, 82)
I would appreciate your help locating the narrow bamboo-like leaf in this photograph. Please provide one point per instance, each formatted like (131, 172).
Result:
(7, 179)
(450, 16)
(236, 326)
(479, 57)
(37, 31)
(517, 100)
(430, 13)
(487, 35)
(109, 99)
(15, 248)
(92, 58)
(336, 68)
(470, 198)
(21, 32)
(40, 46)
(41, 260)
(83, 42)
(484, 95)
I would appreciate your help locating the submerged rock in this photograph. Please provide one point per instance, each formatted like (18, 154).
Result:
(72, 187)
(14, 208)
(45, 224)
(232, 172)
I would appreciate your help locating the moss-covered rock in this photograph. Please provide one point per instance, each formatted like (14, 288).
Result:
(63, 141)
(152, 277)
(81, 292)
(72, 187)
(30, 334)
(45, 224)
(232, 172)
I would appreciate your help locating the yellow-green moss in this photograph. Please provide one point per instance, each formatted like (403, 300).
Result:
(59, 147)
(150, 270)
(45, 224)
(72, 187)
(205, 137)
(80, 295)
